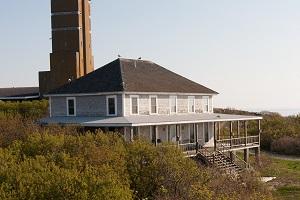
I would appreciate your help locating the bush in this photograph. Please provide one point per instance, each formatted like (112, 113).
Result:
(286, 145)
(27, 109)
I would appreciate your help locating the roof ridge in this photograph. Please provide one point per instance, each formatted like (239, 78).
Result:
(121, 71)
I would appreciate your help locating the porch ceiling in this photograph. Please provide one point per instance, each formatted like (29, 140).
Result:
(146, 120)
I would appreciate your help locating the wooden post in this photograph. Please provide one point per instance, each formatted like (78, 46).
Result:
(131, 134)
(231, 132)
(246, 155)
(156, 135)
(215, 137)
(259, 131)
(257, 156)
(219, 130)
(238, 129)
(168, 134)
(196, 137)
(177, 134)
(246, 132)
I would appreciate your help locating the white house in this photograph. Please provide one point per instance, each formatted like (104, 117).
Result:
(141, 99)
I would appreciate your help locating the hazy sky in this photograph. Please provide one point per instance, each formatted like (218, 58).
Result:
(248, 51)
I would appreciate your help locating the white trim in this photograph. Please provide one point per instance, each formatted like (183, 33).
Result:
(170, 106)
(131, 93)
(150, 104)
(75, 110)
(116, 106)
(138, 104)
(194, 101)
(123, 104)
(206, 103)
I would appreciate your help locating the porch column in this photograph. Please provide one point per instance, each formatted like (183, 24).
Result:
(257, 150)
(168, 133)
(219, 130)
(156, 135)
(178, 134)
(196, 137)
(246, 155)
(246, 132)
(238, 129)
(131, 134)
(231, 133)
(257, 156)
(259, 131)
(215, 137)
(232, 156)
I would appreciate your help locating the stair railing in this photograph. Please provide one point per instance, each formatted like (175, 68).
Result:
(241, 163)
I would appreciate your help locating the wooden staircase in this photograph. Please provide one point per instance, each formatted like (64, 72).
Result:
(220, 161)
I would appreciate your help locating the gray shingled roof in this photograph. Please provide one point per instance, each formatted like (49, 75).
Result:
(146, 120)
(132, 76)
(19, 93)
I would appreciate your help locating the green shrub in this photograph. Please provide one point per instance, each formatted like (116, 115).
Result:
(27, 109)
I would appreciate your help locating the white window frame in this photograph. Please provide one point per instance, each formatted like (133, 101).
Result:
(107, 105)
(150, 104)
(138, 104)
(171, 105)
(194, 102)
(206, 109)
(75, 105)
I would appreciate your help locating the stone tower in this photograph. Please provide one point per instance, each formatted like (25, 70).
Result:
(71, 55)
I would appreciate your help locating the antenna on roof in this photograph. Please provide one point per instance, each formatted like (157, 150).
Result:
(119, 56)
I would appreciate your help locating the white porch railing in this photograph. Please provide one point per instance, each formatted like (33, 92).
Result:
(188, 147)
(238, 142)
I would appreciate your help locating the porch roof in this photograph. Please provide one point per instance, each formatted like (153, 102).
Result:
(146, 120)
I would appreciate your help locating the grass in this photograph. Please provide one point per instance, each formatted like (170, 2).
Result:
(286, 186)
(287, 183)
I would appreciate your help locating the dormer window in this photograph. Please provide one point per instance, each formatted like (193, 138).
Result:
(71, 106)
(134, 105)
(173, 104)
(111, 105)
(191, 100)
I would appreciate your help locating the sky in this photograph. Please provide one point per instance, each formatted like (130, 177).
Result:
(248, 51)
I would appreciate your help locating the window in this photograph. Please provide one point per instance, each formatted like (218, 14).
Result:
(153, 105)
(111, 105)
(134, 105)
(191, 104)
(206, 104)
(173, 104)
(71, 106)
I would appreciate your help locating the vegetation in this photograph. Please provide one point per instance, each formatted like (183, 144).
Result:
(63, 163)
(287, 173)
